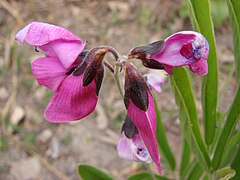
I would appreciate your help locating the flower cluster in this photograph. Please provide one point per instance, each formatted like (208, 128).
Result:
(75, 75)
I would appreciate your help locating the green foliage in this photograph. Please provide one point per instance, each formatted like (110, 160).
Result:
(224, 173)
(188, 115)
(233, 7)
(231, 121)
(89, 173)
(185, 159)
(201, 20)
(146, 176)
(219, 12)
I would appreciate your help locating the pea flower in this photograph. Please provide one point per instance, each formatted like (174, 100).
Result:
(180, 49)
(141, 110)
(74, 75)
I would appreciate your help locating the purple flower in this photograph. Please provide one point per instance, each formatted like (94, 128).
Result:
(154, 81)
(180, 49)
(74, 75)
(141, 110)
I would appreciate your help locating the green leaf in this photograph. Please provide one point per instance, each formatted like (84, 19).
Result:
(235, 166)
(196, 172)
(231, 121)
(236, 162)
(202, 22)
(163, 145)
(146, 176)
(219, 12)
(232, 149)
(233, 7)
(185, 159)
(89, 173)
(224, 173)
(188, 115)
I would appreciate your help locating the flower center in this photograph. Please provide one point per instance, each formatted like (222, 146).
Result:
(187, 51)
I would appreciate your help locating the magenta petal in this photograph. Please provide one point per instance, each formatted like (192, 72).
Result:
(146, 125)
(133, 149)
(200, 67)
(66, 51)
(155, 81)
(72, 101)
(54, 40)
(48, 72)
(38, 34)
(184, 48)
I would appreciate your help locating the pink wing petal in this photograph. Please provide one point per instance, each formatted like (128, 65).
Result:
(49, 72)
(66, 51)
(185, 48)
(170, 55)
(146, 125)
(72, 101)
(133, 149)
(54, 40)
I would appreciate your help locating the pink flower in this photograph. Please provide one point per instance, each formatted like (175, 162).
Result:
(141, 110)
(154, 81)
(130, 145)
(180, 49)
(65, 70)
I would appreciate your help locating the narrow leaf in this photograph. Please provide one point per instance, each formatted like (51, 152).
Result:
(196, 172)
(202, 22)
(163, 145)
(236, 167)
(232, 119)
(232, 149)
(233, 7)
(185, 159)
(146, 176)
(185, 99)
(89, 173)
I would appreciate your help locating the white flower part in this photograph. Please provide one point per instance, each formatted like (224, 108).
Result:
(133, 149)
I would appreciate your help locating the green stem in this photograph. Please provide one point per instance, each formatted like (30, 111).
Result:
(117, 80)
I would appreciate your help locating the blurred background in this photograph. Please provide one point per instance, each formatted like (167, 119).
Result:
(31, 147)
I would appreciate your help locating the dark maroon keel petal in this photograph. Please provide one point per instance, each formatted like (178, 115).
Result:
(89, 75)
(141, 52)
(153, 64)
(146, 125)
(72, 101)
(135, 87)
(99, 79)
(129, 128)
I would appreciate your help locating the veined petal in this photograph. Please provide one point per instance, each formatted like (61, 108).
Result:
(72, 101)
(49, 72)
(54, 40)
(66, 51)
(184, 48)
(154, 81)
(133, 149)
(146, 125)
(38, 34)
